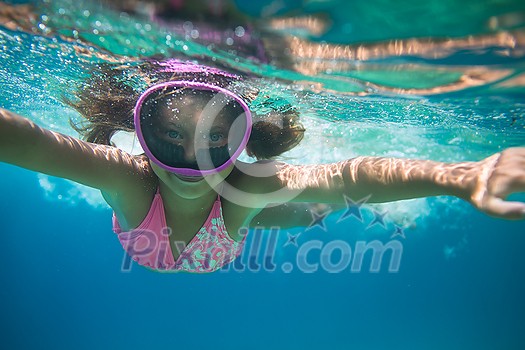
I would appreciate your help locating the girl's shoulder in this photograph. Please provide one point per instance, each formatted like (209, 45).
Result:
(254, 174)
(249, 182)
(132, 200)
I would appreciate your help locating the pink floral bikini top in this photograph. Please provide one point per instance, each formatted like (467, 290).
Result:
(208, 251)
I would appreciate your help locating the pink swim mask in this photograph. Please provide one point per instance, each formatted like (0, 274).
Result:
(192, 128)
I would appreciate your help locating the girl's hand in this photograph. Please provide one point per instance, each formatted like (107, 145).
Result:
(499, 176)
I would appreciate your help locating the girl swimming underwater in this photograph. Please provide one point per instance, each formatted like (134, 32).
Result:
(181, 205)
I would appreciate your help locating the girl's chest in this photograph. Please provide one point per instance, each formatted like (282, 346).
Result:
(182, 229)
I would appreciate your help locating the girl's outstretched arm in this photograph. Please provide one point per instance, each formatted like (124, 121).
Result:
(25, 144)
(485, 184)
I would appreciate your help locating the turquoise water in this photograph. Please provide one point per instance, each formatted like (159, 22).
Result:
(459, 280)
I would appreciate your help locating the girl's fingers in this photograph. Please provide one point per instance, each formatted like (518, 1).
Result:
(504, 209)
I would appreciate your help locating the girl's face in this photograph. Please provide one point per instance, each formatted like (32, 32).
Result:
(178, 127)
(191, 187)
(193, 132)
(182, 124)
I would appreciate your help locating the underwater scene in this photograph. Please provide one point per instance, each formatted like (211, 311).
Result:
(442, 80)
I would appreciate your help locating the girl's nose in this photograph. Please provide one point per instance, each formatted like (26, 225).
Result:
(189, 152)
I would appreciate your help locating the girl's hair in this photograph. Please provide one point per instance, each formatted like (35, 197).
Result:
(108, 97)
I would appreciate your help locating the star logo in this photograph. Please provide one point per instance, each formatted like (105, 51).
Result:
(379, 219)
(353, 208)
(292, 239)
(318, 220)
(399, 232)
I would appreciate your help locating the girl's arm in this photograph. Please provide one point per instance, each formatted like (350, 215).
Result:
(485, 184)
(25, 144)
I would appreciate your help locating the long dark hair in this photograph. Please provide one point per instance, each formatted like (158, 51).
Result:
(108, 96)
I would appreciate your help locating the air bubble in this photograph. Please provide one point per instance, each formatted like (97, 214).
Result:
(239, 31)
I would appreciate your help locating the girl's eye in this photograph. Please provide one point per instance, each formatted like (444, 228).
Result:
(216, 137)
(174, 134)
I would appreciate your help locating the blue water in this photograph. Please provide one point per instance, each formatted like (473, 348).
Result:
(459, 284)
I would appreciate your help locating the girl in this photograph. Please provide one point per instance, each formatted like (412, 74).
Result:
(181, 205)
